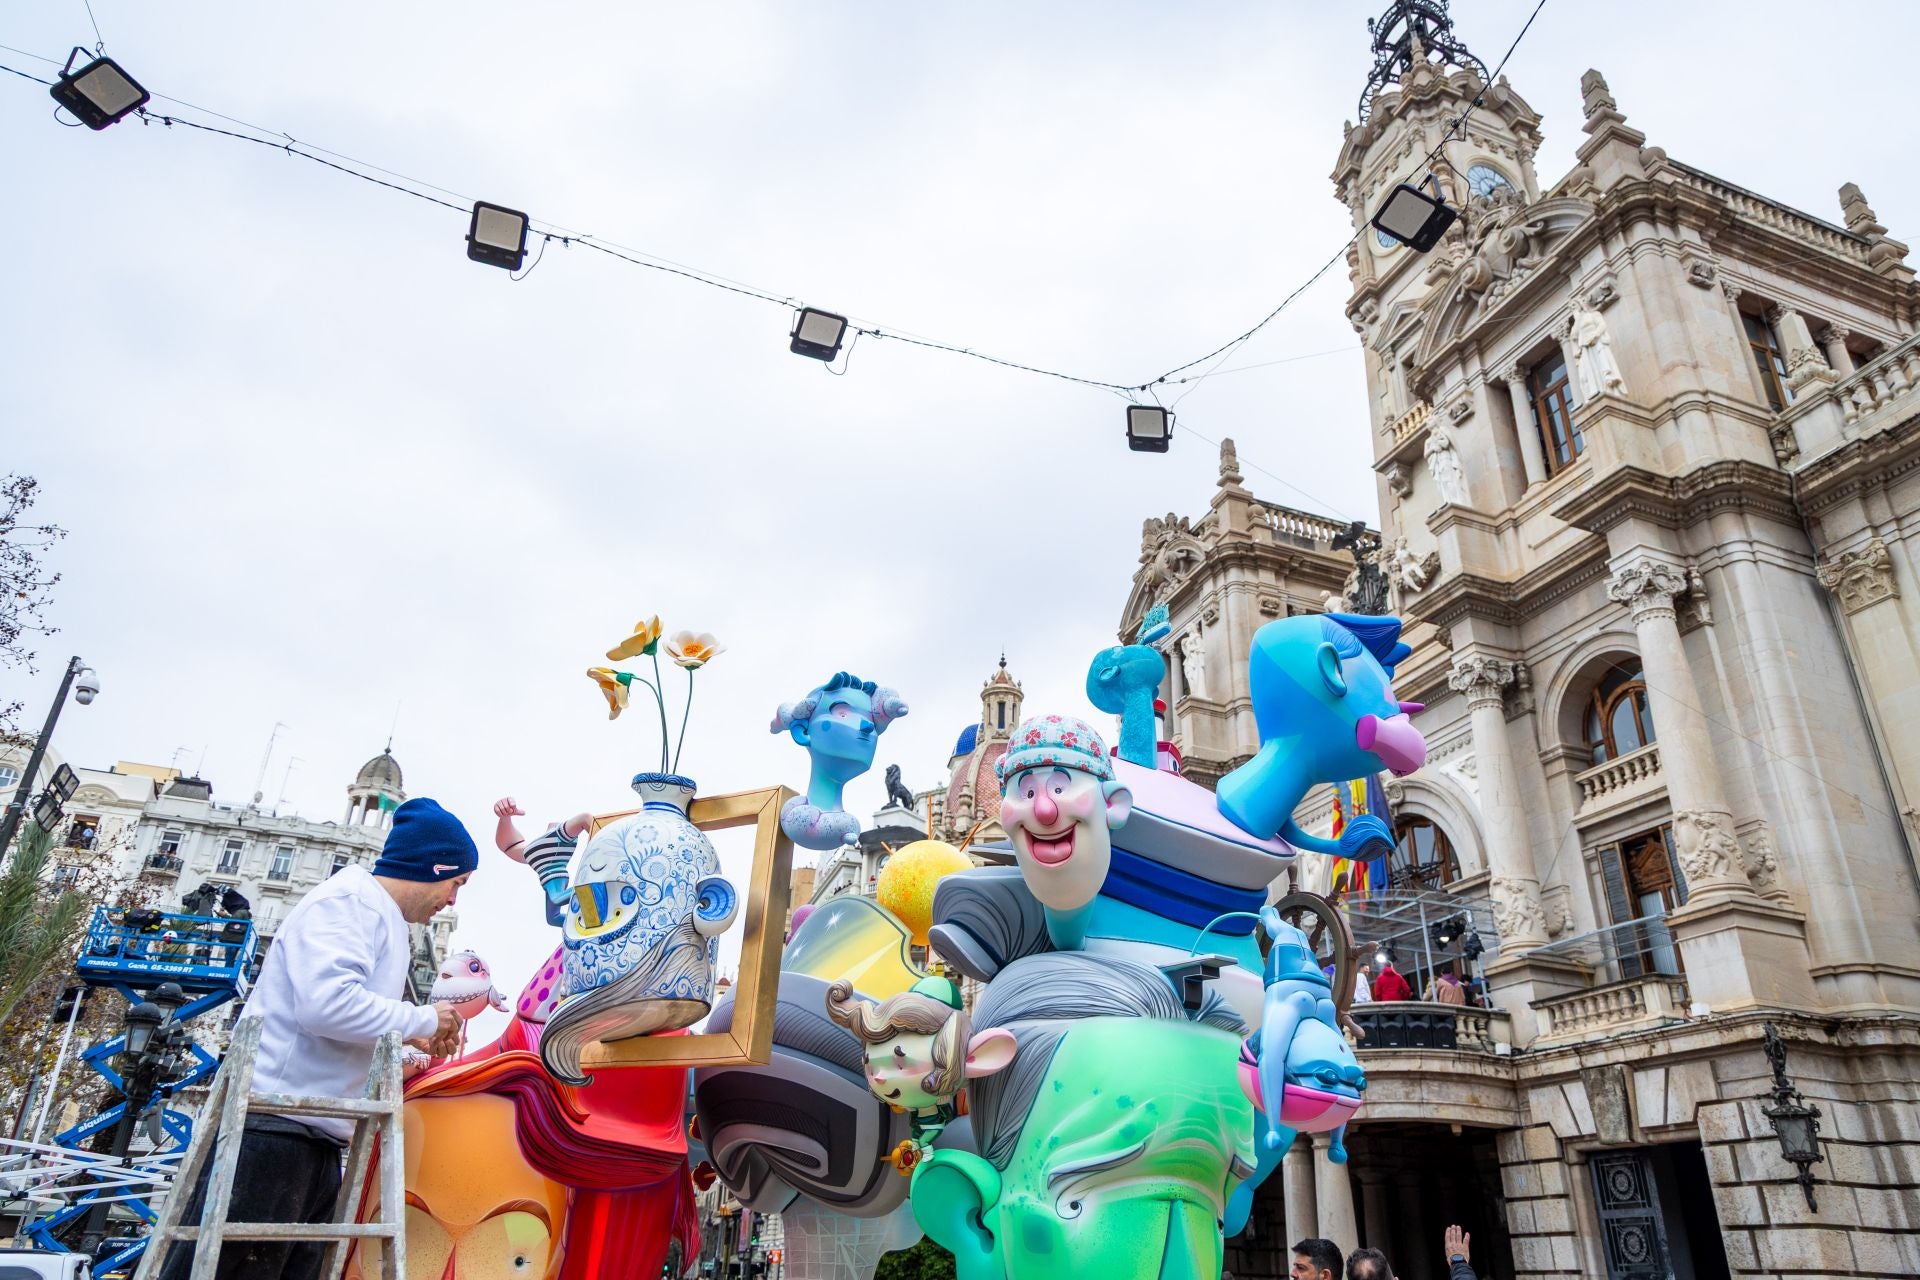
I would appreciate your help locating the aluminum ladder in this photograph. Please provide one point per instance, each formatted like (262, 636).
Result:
(375, 1116)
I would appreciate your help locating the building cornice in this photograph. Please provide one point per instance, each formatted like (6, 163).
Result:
(1677, 502)
(1857, 467)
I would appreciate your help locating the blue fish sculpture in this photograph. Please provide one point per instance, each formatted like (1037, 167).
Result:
(1323, 703)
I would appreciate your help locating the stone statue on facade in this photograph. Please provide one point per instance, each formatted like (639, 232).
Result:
(1443, 464)
(1407, 572)
(1595, 370)
(1193, 663)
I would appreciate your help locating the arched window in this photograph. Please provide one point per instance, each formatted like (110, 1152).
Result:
(1423, 857)
(1618, 718)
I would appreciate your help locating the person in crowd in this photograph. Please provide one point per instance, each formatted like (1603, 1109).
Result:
(1447, 989)
(1389, 985)
(1316, 1259)
(1362, 993)
(1368, 1264)
(1459, 1260)
(332, 985)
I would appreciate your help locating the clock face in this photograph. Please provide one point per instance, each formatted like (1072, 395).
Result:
(1484, 180)
(1384, 240)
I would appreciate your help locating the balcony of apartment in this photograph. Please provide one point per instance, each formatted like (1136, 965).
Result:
(1620, 783)
(1628, 978)
(1836, 408)
(163, 864)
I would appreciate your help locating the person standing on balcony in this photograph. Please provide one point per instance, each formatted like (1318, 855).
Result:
(1389, 985)
(331, 987)
(1447, 989)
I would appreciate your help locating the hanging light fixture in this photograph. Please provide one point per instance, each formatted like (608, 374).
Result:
(143, 1020)
(1149, 428)
(497, 236)
(817, 334)
(1795, 1123)
(1413, 217)
(99, 93)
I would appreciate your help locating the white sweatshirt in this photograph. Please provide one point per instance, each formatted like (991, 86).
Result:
(331, 986)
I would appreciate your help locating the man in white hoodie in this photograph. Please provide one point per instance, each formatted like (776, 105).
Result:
(332, 986)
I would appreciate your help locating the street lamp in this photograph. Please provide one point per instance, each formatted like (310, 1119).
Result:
(817, 334)
(1413, 217)
(1795, 1123)
(497, 236)
(80, 678)
(99, 93)
(143, 1020)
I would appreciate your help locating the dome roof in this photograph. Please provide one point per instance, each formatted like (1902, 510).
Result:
(968, 737)
(382, 773)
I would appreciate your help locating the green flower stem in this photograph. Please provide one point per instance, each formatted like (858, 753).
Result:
(686, 712)
(659, 683)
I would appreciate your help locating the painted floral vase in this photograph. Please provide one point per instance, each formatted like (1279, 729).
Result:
(641, 929)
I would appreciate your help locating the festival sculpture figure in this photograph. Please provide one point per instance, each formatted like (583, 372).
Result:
(548, 853)
(839, 723)
(1323, 701)
(1111, 1146)
(1298, 1069)
(921, 1049)
(1060, 806)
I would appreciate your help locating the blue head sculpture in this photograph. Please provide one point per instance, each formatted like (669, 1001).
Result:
(1323, 701)
(839, 723)
(1298, 1069)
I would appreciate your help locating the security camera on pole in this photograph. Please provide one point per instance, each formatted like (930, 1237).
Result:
(85, 687)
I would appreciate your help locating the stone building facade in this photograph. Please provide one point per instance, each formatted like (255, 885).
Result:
(1647, 446)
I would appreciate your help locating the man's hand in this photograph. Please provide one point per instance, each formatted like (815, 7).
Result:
(1456, 1245)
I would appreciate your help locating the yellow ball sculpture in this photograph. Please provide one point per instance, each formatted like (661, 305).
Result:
(907, 882)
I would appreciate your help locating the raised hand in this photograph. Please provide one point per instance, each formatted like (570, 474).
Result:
(1456, 1244)
(506, 807)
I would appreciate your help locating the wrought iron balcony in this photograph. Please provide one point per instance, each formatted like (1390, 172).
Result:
(164, 864)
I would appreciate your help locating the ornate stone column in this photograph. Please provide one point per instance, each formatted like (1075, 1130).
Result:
(1514, 885)
(1532, 453)
(1836, 347)
(1303, 1218)
(1417, 1243)
(1333, 1196)
(1702, 820)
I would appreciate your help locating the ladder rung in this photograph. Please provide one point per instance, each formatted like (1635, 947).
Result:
(291, 1231)
(289, 1104)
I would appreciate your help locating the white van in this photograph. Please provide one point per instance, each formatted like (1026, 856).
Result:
(39, 1264)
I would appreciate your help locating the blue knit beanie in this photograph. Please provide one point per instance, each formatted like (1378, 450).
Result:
(426, 843)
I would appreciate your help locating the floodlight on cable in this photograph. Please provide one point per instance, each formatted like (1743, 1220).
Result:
(1149, 428)
(497, 236)
(817, 334)
(99, 93)
(1413, 217)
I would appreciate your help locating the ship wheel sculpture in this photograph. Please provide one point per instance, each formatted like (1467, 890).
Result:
(1331, 940)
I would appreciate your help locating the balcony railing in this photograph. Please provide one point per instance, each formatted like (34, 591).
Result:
(165, 864)
(1620, 1006)
(1404, 427)
(1425, 1024)
(1878, 395)
(1757, 209)
(1611, 781)
(1301, 526)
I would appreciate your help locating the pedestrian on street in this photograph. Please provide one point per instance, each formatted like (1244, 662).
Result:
(333, 985)
(1369, 1264)
(1316, 1259)
(1390, 985)
(1459, 1261)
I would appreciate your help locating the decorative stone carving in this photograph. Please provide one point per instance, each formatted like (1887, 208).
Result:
(1269, 606)
(1210, 612)
(1443, 636)
(1229, 463)
(1169, 551)
(1709, 854)
(1399, 479)
(1786, 445)
(1481, 678)
(1193, 664)
(1395, 791)
(1366, 315)
(1595, 370)
(1603, 294)
(1647, 587)
(1596, 100)
(1756, 855)
(1519, 701)
(1731, 288)
(1461, 408)
(1610, 1102)
(1516, 910)
(1858, 213)
(1407, 572)
(1698, 611)
(1701, 273)
(1861, 578)
(1500, 248)
(1557, 903)
(1443, 464)
(1806, 366)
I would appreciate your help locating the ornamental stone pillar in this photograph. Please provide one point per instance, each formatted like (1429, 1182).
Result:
(1373, 1198)
(1837, 354)
(1703, 834)
(1515, 885)
(1333, 1195)
(1303, 1217)
(1532, 453)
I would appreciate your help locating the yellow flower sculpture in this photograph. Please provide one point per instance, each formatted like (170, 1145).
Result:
(613, 686)
(644, 640)
(694, 651)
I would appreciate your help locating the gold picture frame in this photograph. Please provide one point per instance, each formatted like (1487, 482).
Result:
(749, 1042)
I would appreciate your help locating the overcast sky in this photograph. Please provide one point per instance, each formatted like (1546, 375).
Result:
(316, 465)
